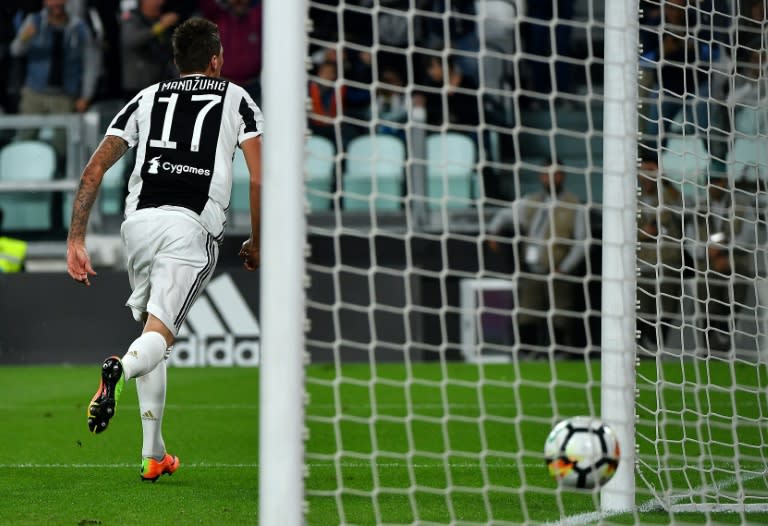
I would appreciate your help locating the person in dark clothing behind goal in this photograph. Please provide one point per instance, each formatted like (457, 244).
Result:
(185, 132)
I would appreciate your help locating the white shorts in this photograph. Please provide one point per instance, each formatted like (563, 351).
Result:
(170, 259)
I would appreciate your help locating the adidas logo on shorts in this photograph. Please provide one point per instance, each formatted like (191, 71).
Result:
(220, 329)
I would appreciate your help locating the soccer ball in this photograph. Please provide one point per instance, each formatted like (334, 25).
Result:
(582, 452)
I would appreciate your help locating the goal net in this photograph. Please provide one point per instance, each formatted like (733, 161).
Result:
(499, 240)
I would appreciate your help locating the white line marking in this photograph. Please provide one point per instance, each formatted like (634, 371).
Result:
(721, 508)
(189, 407)
(317, 407)
(313, 465)
(313, 407)
(653, 504)
(201, 465)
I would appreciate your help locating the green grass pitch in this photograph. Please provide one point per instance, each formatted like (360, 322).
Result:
(362, 437)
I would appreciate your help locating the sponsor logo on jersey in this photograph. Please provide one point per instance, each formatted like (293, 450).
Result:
(220, 330)
(178, 169)
(181, 169)
(154, 164)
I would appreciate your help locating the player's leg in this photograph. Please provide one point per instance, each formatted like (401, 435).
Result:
(143, 356)
(179, 272)
(141, 241)
(151, 389)
(101, 409)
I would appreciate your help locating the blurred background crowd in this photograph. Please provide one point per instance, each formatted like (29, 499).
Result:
(482, 68)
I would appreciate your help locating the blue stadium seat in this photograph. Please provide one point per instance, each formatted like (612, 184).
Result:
(374, 173)
(750, 121)
(451, 175)
(748, 160)
(27, 161)
(112, 188)
(685, 161)
(319, 166)
(241, 183)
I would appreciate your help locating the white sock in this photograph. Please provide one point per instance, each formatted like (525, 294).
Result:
(151, 390)
(144, 354)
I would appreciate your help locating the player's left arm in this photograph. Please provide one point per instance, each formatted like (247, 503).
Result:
(251, 250)
(108, 152)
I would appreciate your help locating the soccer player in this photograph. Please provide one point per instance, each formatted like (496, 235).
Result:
(185, 131)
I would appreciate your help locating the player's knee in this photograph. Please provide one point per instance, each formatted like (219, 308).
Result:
(155, 325)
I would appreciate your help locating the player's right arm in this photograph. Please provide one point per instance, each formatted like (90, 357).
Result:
(108, 152)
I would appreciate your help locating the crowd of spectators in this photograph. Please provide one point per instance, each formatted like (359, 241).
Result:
(88, 51)
(109, 49)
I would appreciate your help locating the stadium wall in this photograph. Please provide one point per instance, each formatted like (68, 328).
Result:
(46, 318)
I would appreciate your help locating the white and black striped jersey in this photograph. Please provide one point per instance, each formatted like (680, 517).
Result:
(186, 131)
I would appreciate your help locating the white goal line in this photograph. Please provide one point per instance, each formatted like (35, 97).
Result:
(360, 464)
(654, 504)
(311, 465)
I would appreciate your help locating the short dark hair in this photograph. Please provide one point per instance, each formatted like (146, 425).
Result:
(194, 43)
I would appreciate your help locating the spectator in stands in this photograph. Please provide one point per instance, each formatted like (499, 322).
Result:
(452, 26)
(325, 99)
(660, 255)
(391, 104)
(62, 65)
(145, 36)
(355, 83)
(448, 95)
(751, 16)
(13, 252)
(499, 27)
(357, 78)
(748, 94)
(102, 16)
(684, 51)
(240, 26)
(540, 44)
(397, 30)
(722, 238)
(750, 80)
(549, 231)
(9, 83)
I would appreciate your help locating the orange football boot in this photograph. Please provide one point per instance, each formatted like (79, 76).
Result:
(151, 469)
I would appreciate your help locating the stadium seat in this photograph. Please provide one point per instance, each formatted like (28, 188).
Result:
(241, 182)
(685, 161)
(112, 188)
(574, 133)
(750, 121)
(374, 171)
(110, 193)
(319, 167)
(27, 161)
(748, 160)
(451, 175)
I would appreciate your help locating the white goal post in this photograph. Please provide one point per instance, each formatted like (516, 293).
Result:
(283, 234)
(480, 219)
(619, 241)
